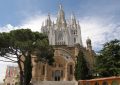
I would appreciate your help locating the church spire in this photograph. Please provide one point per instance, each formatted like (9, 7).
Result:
(61, 17)
(48, 21)
(73, 20)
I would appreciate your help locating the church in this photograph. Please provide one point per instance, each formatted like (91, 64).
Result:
(65, 36)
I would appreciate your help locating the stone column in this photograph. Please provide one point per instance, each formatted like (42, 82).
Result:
(66, 73)
(39, 73)
(34, 68)
(45, 77)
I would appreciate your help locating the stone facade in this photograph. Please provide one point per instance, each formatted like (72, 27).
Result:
(63, 67)
(65, 37)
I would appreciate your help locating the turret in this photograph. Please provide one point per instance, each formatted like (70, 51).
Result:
(88, 42)
(48, 21)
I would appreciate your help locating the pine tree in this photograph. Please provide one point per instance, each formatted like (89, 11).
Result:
(108, 59)
(24, 43)
(81, 68)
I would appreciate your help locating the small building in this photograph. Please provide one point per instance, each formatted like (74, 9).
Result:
(12, 76)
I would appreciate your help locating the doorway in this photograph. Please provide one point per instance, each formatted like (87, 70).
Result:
(57, 75)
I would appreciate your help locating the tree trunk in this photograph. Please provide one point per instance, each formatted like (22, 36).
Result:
(21, 71)
(27, 69)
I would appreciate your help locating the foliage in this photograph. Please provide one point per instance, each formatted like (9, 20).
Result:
(108, 60)
(81, 68)
(25, 42)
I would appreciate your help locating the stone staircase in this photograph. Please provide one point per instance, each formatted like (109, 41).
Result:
(56, 83)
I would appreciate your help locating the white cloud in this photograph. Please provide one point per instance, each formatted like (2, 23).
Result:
(35, 22)
(99, 30)
(7, 28)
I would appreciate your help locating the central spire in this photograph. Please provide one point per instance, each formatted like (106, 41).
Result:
(61, 17)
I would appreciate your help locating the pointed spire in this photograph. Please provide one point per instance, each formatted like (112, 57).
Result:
(61, 17)
(49, 16)
(73, 20)
(48, 20)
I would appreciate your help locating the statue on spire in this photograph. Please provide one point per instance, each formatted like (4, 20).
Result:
(60, 6)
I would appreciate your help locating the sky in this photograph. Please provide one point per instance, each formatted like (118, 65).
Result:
(99, 19)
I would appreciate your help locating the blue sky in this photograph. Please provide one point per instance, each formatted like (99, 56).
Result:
(99, 19)
(15, 11)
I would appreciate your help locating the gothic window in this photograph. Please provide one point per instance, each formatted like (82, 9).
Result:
(74, 40)
(60, 36)
(43, 71)
(74, 32)
(71, 69)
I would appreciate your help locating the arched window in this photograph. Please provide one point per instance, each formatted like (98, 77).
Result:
(43, 71)
(71, 69)
(74, 40)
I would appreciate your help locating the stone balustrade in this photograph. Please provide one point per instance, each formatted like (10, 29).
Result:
(101, 81)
